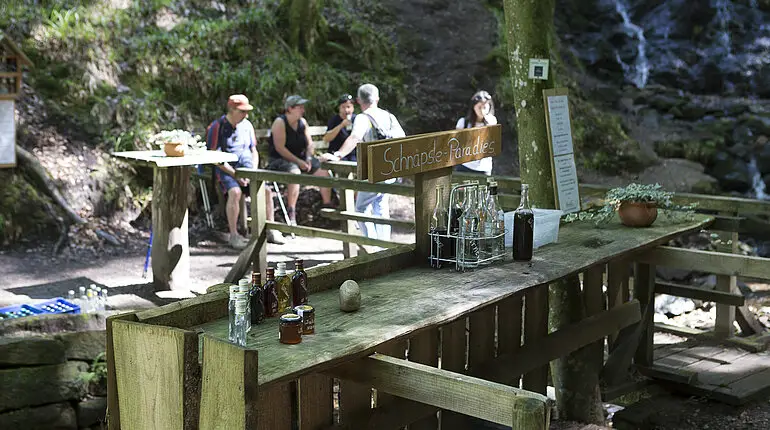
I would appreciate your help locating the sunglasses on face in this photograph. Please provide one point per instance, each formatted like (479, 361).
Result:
(482, 97)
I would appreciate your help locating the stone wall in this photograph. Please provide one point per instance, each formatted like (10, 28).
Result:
(50, 373)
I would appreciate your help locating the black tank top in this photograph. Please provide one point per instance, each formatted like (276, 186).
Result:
(296, 141)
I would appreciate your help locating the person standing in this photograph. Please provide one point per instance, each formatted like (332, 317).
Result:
(365, 129)
(481, 112)
(232, 133)
(291, 151)
(339, 127)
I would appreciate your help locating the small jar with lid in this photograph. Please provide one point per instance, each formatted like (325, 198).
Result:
(290, 329)
(307, 313)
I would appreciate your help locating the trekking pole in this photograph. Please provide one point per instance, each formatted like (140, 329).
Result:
(147, 257)
(283, 207)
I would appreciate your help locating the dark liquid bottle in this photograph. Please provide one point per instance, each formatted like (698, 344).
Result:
(256, 299)
(270, 292)
(299, 284)
(523, 228)
(454, 223)
(440, 246)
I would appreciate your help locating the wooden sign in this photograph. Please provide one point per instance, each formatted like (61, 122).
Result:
(422, 153)
(7, 134)
(563, 169)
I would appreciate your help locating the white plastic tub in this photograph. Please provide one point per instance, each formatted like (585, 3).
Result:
(546, 227)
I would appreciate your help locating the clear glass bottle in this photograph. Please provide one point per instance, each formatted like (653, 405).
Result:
(283, 287)
(440, 246)
(241, 319)
(458, 201)
(71, 296)
(243, 288)
(105, 297)
(468, 246)
(523, 228)
(231, 313)
(494, 224)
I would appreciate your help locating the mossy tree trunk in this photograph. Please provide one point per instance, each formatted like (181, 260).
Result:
(530, 34)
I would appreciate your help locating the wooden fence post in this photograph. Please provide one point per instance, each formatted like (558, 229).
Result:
(723, 326)
(348, 203)
(536, 327)
(644, 291)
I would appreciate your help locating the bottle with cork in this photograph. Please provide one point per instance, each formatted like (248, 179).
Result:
(270, 294)
(283, 288)
(299, 284)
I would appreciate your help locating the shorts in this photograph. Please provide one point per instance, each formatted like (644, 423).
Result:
(282, 165)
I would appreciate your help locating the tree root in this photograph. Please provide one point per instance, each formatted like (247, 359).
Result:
(39, 177)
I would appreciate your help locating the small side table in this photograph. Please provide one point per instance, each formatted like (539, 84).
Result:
(171, 245)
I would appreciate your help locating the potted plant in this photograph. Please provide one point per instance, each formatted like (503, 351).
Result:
(176, 143)
(636, 204)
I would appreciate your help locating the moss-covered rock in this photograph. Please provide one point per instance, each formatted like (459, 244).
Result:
(698, 150)
(22, 208)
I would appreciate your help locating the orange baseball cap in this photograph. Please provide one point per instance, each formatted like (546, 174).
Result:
(239, 101)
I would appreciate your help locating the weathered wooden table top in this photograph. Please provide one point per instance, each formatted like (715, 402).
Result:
(419, 297)
(160, 159)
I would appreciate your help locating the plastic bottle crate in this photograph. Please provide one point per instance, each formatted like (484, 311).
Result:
(18, 311)
(58, 306)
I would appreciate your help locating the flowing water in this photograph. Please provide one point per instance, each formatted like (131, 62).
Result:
(758, 184)
(638, 72)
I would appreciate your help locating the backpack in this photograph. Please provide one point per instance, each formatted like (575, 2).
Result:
(382, 133)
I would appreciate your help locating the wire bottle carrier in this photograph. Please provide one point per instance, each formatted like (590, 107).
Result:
(466, 251)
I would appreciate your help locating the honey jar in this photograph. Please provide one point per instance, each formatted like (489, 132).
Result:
(307, 313)
(290, 329)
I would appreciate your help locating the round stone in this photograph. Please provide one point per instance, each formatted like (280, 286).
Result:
(350, 296)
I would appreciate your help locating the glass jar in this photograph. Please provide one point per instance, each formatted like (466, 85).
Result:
(307, 313)
(290, 329)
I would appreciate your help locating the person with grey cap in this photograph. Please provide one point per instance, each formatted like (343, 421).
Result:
(291, 150)
(367, 127)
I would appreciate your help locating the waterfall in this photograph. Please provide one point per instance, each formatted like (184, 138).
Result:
(640, 71)
(723, 17)
(757, 183)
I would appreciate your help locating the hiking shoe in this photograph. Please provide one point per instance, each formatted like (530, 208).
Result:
(274, 236)
(237, 241)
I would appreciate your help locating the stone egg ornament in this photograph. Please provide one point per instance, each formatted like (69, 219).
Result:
(350, 296)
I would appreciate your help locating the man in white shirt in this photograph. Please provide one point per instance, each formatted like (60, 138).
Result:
(365, 130)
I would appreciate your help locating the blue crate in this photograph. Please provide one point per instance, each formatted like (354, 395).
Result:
(57, 306)
(18, 311)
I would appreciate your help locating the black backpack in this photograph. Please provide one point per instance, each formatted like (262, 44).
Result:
(380, 132)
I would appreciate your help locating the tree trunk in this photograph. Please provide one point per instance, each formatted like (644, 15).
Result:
(530, 34)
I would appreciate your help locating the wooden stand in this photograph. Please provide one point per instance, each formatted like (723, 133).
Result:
(171, 245)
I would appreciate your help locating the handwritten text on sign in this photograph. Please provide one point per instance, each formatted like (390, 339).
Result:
(418, 154)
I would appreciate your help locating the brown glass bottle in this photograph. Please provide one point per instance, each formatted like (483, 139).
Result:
(523, 228)
(299, 284)
(270, 293)
(256, 299)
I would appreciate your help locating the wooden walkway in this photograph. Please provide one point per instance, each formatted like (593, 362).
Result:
(723, 373)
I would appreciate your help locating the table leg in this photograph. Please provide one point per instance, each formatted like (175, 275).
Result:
(171, 245)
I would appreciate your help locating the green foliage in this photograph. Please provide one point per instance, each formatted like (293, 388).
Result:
(701, 151)
(120, 75)
(97, 372)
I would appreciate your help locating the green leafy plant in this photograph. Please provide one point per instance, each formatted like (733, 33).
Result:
(639, 193)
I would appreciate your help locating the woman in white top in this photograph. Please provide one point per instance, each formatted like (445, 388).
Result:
(480, 113)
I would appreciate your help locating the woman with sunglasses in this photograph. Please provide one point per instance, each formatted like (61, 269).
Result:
(481, 112)
(339, 127)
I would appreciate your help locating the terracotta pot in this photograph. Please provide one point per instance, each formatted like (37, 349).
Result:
(638, 214)
(174, 149)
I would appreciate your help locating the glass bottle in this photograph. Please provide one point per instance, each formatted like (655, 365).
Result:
(270, 293)
(283, 287)
(299, 284)
(104, 298)
(440, 247)
(243, 288)
(494, 224)
(241, 319)
(523, 228)
(468, 246)
(256, 299)
(458, 200)
(231, 313)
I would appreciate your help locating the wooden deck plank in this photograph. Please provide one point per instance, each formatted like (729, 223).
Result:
(389, 301)
(748, 388)
(737, 370)
(689, 356)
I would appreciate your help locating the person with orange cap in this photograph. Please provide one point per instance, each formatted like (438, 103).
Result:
(231, 133)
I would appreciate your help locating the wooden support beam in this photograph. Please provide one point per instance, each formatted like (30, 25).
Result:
(535, 330)
(229, 393)
(255, 252)
(679, 331)
(187, 313)
(423, 349)
(617, 290)
(348, 205)
(719, 263)
(644, 290)
(329, 234)
(321, 181)
(557, 344)
(113, 405)
(171, 244)
(747, 321)
(663, 287)
(725, 317)
(357, 216)
(475, 397)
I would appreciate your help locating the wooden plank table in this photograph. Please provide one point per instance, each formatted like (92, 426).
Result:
(416, 299)
(171, 178)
